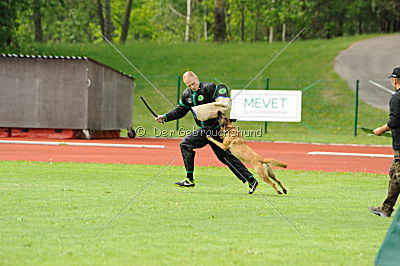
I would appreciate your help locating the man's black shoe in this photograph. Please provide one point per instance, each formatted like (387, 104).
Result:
(253, 186)
(185, 183)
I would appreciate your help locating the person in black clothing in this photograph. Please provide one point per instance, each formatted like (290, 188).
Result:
(199, 93)
(386, 209)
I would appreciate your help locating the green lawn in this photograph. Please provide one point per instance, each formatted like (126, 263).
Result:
(328, 106)
(52, 212)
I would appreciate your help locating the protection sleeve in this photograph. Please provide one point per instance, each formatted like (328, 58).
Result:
(210, 110)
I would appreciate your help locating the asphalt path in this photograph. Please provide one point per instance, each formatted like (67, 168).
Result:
(370, 61)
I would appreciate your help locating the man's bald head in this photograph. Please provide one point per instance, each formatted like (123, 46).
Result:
(189, 74)
(191, 80)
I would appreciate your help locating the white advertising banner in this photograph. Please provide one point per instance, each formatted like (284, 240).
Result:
(266, 105)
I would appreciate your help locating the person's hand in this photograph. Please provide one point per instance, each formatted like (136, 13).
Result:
(160, 118)
(379, 131)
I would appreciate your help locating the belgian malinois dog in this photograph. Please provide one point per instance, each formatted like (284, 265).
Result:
(234, 142)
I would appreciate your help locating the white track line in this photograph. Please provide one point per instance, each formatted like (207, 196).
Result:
(292, 142)
(351, 154)
(82, 144)
(381, 87)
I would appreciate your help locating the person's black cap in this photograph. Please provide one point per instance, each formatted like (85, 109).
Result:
(396, 73)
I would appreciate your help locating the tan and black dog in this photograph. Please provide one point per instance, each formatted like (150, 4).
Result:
(233, 141)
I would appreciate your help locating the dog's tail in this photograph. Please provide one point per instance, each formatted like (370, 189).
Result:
(273, 162)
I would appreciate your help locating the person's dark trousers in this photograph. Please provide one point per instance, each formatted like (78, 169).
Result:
(197, 139)
(394, 185)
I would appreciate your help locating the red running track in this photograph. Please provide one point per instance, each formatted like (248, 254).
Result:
(294, 154)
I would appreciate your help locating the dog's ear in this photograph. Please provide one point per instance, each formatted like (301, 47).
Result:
(232, 120)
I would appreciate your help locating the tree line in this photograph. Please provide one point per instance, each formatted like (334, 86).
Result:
(26, 21)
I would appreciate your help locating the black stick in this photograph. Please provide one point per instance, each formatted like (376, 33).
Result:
(148, 107)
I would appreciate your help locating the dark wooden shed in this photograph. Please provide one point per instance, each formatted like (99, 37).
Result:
(63, 92)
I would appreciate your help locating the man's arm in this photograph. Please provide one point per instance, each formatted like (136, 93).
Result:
(220, 91)
(380, 130)
(180, 111)
(394, 117)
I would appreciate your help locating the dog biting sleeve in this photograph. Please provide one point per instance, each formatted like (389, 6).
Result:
(210, 110)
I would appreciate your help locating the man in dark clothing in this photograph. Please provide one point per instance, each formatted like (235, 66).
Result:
(196, 94)
(394, 125)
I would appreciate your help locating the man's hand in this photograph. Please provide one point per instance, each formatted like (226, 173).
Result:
(160, 118)
(380, 130)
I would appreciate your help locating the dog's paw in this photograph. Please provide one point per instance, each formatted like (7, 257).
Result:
(285, 191)
(279, 192)
(284, 165)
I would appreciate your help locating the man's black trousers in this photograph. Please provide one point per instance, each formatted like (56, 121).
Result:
(197, 139)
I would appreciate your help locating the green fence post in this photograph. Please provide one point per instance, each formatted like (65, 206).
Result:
(267, 88)
(178, 97)
(356, 108)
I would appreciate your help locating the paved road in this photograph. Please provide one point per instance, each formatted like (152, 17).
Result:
(372, 59)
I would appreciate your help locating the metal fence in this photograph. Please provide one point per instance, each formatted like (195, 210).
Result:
(328, 106)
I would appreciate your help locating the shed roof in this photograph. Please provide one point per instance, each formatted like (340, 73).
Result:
(58, 57)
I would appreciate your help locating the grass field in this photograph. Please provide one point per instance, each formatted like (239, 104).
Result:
(52, 212)
(328, 107)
